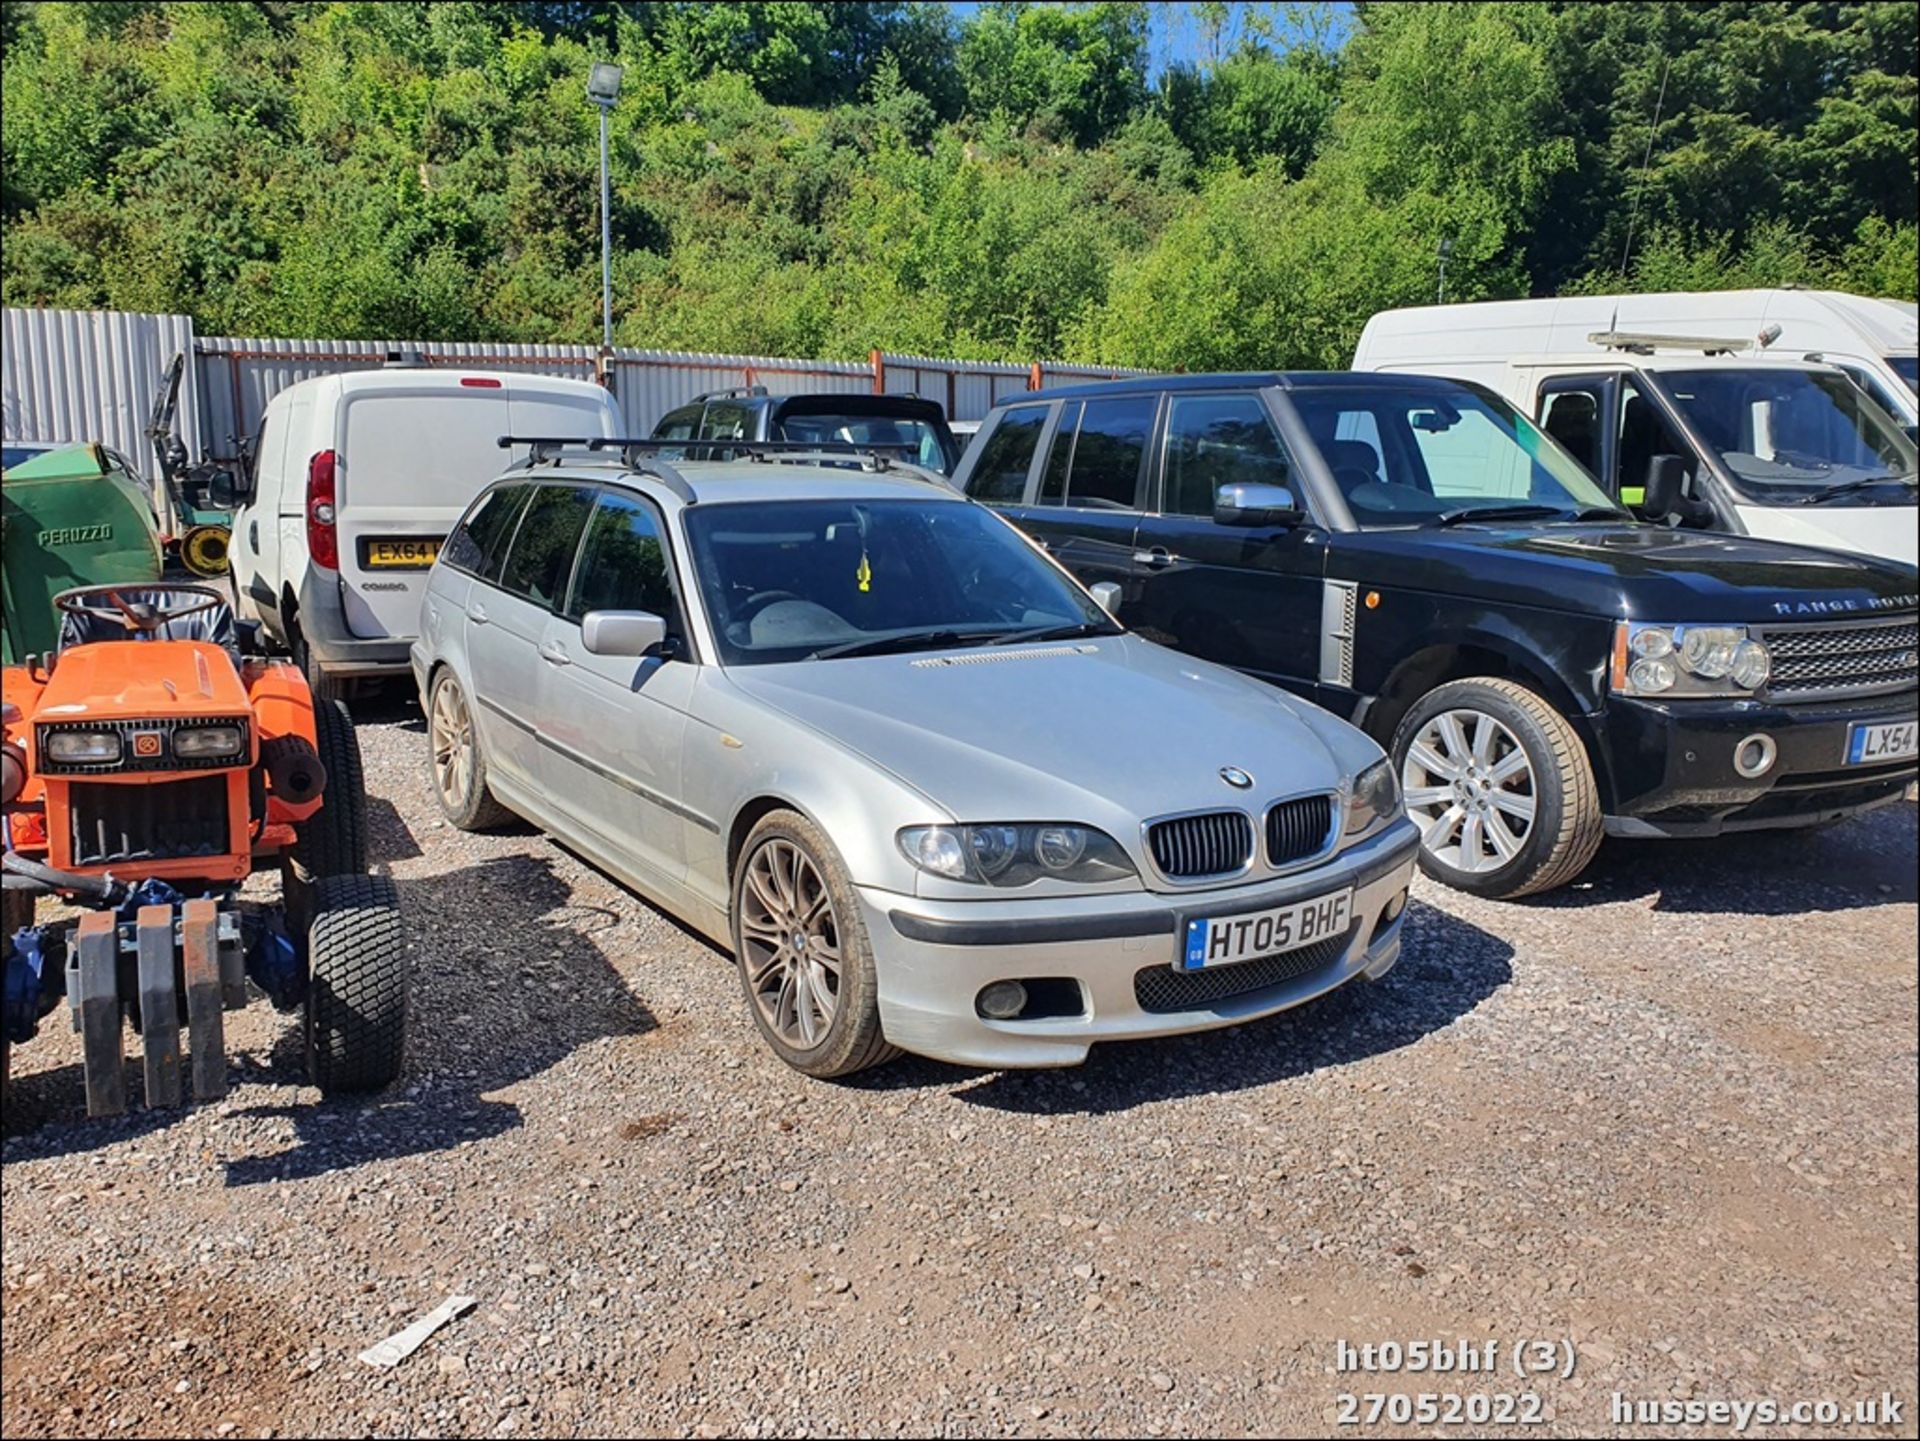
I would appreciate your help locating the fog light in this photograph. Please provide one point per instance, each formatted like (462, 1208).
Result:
(1394, 907)
(1002, 1001)
(1754, 756)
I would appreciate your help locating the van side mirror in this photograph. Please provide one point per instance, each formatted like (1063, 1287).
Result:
(222, 492)
(1107, 592)
(1250, 504)
(1666, 492)
(621, 632)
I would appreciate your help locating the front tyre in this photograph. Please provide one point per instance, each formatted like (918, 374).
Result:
(1501, 788)
(356, 1015)
(459, 768)
(805, 962)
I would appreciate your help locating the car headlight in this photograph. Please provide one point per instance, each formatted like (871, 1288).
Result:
(208, 742)
(1687, 660)
(1374, 801)
(1016, 853)
(83, 748)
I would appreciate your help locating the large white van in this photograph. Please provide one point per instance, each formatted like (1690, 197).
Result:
(356, 480)
(1747, 439)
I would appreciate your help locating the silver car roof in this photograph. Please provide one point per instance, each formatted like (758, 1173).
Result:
(694, 483)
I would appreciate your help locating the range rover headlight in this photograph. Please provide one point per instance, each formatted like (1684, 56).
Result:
(208, 742)
(1688, 660)
(1375, 800)
(1016, 853)
(83, 748)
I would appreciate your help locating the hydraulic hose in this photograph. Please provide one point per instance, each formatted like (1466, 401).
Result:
(99, 888)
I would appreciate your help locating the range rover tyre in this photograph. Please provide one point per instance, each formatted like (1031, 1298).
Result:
(1500, 786)
(805, 962)
(459, 768)
(356, 1014)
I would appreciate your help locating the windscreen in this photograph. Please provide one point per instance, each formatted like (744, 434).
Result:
(818, 579)
(1786, 435)
(1907, 367)
(928, 445)
(1423, 455)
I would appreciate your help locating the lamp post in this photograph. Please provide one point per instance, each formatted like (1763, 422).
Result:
(603, 89)
(1446, 249)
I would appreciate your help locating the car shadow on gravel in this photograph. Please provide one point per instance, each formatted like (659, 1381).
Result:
(1447, 968)
(1864, 861)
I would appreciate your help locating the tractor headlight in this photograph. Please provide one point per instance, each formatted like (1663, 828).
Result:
(82, 748)
(1014, 854)
(1375, 799)
(208, 742)
(1688, 660)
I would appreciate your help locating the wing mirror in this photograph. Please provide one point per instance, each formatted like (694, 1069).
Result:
(622, 632)
(1107, 592)
(1667, 492)
(1249, 504)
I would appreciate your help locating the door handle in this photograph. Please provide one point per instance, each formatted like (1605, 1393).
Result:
(477, 614)
(553, 653)
(1159, 558)
(253, 536)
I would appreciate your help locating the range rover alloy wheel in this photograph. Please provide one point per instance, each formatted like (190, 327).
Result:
(804, 960)
(1500, 786)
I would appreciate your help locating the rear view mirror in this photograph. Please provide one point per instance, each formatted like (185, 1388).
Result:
(1249, 504)
(1666, 492)
(621, 632)
(1107, 592)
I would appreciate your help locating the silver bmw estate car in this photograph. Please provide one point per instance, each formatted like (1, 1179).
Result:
(862, 732)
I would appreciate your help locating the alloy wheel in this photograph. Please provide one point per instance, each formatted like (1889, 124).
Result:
(1469, 785)
(452, 728)
(790, 943)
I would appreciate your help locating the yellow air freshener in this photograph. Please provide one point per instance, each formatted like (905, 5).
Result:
(865, 574)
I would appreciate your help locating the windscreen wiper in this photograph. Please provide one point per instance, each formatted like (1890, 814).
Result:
(906, 640)
(1497, 512)
(1851, 487)
(1069, 631)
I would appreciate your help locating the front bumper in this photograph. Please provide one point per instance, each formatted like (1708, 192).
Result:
(332, 643)
(933, 957)
(1674, 773)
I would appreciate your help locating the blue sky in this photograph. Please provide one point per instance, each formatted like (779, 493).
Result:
(1176, 31)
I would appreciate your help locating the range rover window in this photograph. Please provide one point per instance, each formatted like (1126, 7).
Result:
(1216, 440)
(1441, 457)
(623, 563)
(541, 558)
(1053, 480)
(1000, 477)
(479, 542)
(1109, 450)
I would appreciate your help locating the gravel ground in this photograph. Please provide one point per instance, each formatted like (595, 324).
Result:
(1668, 1114)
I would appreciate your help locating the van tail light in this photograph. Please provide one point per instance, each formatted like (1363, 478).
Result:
(323, 540)
(480, 382)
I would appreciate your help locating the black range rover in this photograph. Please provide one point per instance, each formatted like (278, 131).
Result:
(1415, 555)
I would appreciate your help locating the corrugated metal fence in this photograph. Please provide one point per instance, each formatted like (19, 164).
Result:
(84, 375)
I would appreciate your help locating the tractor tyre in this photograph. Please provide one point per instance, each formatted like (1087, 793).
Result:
(333, 840)
(356, 1017)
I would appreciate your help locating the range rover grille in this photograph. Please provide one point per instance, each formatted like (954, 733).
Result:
(1217, 843)
(1849, 658)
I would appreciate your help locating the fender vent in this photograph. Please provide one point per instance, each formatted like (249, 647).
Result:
(995, 657)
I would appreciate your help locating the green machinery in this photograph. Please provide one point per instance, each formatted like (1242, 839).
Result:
(70, 517)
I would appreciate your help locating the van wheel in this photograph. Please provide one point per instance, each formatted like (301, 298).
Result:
(356, 1016)
(459, 768)
(323, 686)
(1501, 788)
(805, 963)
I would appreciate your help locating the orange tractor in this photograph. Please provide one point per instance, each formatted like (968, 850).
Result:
(150, 767)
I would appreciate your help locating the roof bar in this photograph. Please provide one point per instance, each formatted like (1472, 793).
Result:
(1647, 344)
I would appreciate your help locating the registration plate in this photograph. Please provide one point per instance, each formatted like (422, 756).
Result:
(1224, 940)
(1869, 745)
(402, 554)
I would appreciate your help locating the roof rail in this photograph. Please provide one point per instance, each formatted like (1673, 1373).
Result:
(1638, 344)
(874, 456)
(544, 448)
(732, 392)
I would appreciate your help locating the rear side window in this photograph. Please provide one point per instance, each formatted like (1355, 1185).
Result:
(1216, 440)
(724, 422)
(479, 543)
(1000, 478)
(1108, 453)
(623, 565)
(680, 425)
(541, 559)
(1053, 480)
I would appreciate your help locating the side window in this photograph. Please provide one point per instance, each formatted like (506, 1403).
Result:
(1644, 433)
(1053, 480)
(1570, 413)
(623, 564)
(1108, 453)
(541, 558)
(1216, 440)
(480, 541)
(679, 424)
(267, 445)
(1000, 478)
(724, 421)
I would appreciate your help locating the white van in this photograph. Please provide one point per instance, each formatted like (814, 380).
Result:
(357, 478)
(1782, 448)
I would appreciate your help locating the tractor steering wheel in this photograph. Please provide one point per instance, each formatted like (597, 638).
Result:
(139, 616)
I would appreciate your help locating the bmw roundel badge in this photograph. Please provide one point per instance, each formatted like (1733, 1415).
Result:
(1236, 778)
